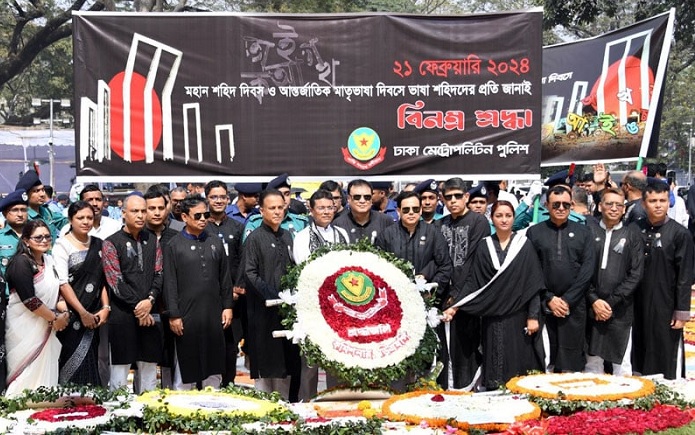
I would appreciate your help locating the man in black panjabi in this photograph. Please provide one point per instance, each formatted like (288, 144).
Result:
(198, 298)
(361, 221)
(566, 251)
(267, 254)
(619, 267)
(463, 230)
(662, 301)
(230, 232)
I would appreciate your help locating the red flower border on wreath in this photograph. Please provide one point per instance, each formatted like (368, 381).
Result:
(391, 315)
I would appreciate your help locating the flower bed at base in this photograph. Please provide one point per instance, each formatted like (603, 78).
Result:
(432, 412)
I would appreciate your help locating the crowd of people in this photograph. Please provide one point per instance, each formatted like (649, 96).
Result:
(577, 275)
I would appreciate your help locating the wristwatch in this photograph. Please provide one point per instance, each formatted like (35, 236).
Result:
(151, 299)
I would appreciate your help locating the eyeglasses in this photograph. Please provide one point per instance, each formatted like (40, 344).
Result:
(359, 197)
(324, 208)
(18, 210)
(612, 204)
(558, 205)
(218, 198)
(198, 216)
(39, 239)
(407, 210)
(451, 196)
(477, 201)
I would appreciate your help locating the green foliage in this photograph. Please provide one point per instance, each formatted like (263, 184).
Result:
(662, 395)
(688, 429)
(51, 394)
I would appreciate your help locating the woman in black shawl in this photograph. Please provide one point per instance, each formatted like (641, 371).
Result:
(82, 281)
(504, 289)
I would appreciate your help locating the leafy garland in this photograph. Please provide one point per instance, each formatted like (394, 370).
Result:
(356, 377)
(158, 420)
(661, 395)
(69, 392)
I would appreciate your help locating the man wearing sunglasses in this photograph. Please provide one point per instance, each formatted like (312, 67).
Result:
(566, 251)
(524, 213)
(420, 243)
(361, 221)
(197, 297)
(462, 230)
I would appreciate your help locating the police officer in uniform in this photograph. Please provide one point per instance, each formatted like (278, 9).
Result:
(246, 203)
(14, 209)
(292, 222)
(38, 207)
(429, 196)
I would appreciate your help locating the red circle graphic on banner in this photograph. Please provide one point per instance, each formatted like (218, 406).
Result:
(137, 116)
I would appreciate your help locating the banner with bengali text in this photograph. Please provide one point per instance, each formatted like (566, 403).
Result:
(602, 96)
(176, 97)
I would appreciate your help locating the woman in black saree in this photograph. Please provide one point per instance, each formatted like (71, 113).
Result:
(504, 289)
(82, 287)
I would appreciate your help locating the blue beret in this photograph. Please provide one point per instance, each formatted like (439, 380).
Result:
(478, 191)
(381, 185)
(28, 180)
(248, 188)
(560, 178)
(14, 198)
(282, 180)
(427, 186)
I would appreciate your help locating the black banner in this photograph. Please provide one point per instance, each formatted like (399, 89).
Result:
(184, 96)
(602, 96)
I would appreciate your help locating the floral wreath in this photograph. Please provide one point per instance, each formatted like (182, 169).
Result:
(207, 402)
(357, 312)
(582, 386)
(460, 409)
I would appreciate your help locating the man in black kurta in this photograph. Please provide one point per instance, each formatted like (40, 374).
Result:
(267, 254)
(662, 301)
(198, 298)
(132, 261)
(462, 230)
(230, 232)
(361, 221)
(619, 253)
(566, 251)
(420, 243)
